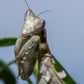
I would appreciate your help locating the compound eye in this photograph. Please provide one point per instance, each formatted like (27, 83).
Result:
(43, 21)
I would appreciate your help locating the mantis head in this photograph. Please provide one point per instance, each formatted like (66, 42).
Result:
(32, 23)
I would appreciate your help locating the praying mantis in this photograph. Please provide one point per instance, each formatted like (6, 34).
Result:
(30, 44)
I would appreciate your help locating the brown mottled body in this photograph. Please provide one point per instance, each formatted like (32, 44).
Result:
(27, 47)
(32, 45)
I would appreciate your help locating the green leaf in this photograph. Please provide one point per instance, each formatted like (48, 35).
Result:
(36, 69)
(6, 75)
(58, 67)
(7, 41)
(29, 81)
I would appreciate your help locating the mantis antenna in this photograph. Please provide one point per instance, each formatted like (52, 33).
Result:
(44, 12)
(27, 4)
(40, 12)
